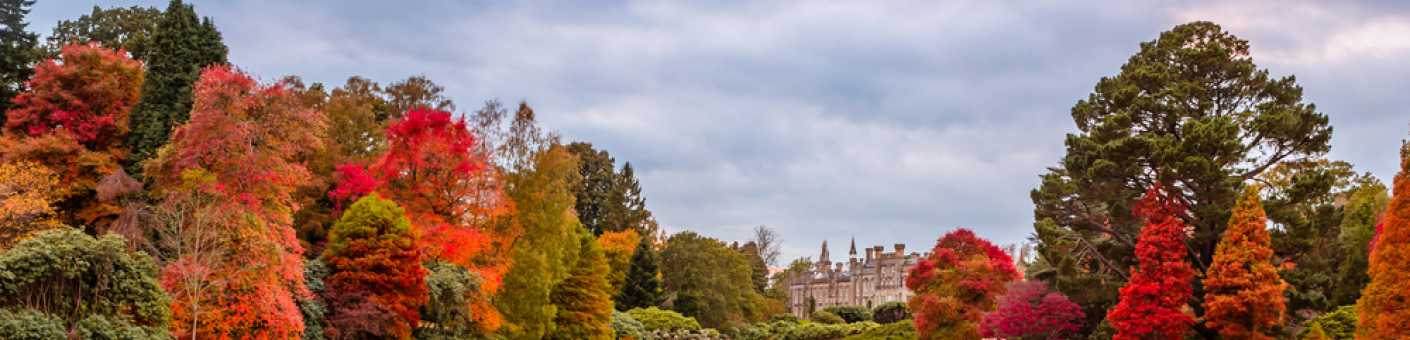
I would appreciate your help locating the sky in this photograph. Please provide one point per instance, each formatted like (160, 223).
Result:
(884, 121)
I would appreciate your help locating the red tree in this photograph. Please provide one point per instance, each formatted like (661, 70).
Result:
(374, 266)
(1153, 302)
(238, 149)
(956, 284)
(73, 119)
(1029, 311)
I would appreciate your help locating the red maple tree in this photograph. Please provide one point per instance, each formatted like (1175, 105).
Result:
(1153, 302)
(956, 284)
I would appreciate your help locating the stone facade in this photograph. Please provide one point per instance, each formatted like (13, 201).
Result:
(877, 278)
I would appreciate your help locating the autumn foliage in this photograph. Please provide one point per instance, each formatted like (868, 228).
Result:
(73, 119)
(957, 284)
(376, 284)
(1243, 293)
(1153, 302)
(27, 194)
(1028, 310)
(237, 150)
(1382, 310)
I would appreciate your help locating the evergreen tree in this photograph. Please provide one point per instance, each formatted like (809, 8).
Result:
(1243, 293)
(583, 300)
(1382, 312)
(180, 47)
(374, 265)
(607, 200)
(1153, 303)
(18, 51)
(642, 288)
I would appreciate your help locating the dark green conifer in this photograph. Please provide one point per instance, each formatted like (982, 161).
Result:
(182, 45)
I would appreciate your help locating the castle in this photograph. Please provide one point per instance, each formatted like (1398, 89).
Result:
(875, 279)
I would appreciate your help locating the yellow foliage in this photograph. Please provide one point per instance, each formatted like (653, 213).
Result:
(27, 194)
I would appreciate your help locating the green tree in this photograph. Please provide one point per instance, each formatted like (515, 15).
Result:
(180, 47)
(415, 91)
(126, 28)
(1358, 224)
(548, 246)
(374, 265)
(18, 51)
(709, 281)
(1303, 199)
(583, 300)
(758, 271)
(83, 282)
(643, 287)
(1190, 109)
(447, 314)
(607, 199)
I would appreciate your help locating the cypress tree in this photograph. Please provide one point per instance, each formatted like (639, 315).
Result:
(180, 47)
(1243, 293)
(642, 288)
(18, 51)
(584, 304)
(1381, 309)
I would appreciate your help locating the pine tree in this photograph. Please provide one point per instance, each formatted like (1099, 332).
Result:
(374, 264)
(1382, 311)
(18, 51)
(1243, 293)
(1153, 302)
(180, 47)
(642, 288)
(583, 301)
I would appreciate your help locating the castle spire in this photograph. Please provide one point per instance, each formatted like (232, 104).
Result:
(823, 258)
(853, 252)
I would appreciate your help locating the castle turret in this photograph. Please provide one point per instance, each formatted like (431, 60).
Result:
(823, 257)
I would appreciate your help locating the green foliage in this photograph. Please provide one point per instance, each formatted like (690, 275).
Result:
(642, 287)
(891, 312)
(654, 319)
(1190, 109)
(583, 301)
(1304, 202)
(18, 51)
(1339, 324)
(126, 28)
(900, 330)
(827, 317)
(626, 327)
(548, 246)
(1358, 224)
(180, 47)
(447, 313)
(29, 324)
(73, 277)
(607, 199)
(850, 313)
(313, 308)
(820, 331)
(710, 281)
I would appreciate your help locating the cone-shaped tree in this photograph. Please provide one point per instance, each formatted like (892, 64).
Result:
(584, 303)
(960, 280)
(1153, 302)
(18, 51)
(373, 260)
(642, 288)
(1243, 296)
(180, 47)
(1383, 311)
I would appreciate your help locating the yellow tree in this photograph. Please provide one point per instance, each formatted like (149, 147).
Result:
(27, 193)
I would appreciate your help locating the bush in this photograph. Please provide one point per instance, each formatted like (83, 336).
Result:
(850, 313)
(625, 327)
(891, 312)
(1338, 324)
(28, 324)
(654, 319)
(824, 316)
(783, 317)
(899, 330)
(818, 331)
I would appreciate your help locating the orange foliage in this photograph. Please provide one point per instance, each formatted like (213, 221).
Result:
(1382, 311)
(618, 247)
(27, 191)
(1243, 293)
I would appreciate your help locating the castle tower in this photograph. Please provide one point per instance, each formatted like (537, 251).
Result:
(853, 252)
(823, 257)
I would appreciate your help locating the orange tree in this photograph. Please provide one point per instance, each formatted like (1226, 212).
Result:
(376, 283)
(957, 284)
(1243, 294)
(1153, 302)
(1382, 310)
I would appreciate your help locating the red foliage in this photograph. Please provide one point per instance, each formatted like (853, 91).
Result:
(240, 142)
(1153, 302)
(1029, 311)
(373, 259)
(353, 182)
(956, 284)
(87, 95)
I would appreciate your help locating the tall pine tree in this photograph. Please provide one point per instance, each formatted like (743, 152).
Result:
(18, 51)
(642, 288)
(1382, 311)
(181, 46)
(1243, 293)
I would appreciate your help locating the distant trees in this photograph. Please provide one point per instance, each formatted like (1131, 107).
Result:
(957, 284)
(608, 199)
(1381, 310)
(641, 287)
(709, 281)
(1153, 302)
(376, 285)
(121, 28)
(1028, 310)
(181, 46)
(1243, 293)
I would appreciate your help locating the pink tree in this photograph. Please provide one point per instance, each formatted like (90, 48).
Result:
(1030, 311)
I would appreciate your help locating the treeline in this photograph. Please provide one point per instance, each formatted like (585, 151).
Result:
(152, 190)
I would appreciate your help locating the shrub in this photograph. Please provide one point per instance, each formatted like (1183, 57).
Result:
(824, 316)
(899, 330)
(625, 327)
(819, 331)
(850, 313)
(891, 312)
(1338, 324)
(654, 319)
(783, 317)
(26, 324)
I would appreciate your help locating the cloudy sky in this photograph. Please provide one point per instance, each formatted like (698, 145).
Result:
(824, 120)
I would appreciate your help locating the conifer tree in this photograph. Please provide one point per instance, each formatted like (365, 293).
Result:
(374, 265)
(1243, 293)
(18, 51)
(1153, 302)
(583, 299)
(180, 47)
(1382, 310)
(642, 288)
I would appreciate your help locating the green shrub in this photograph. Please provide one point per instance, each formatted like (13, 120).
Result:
(28, 324)
(625, 327)
(654, 319)
(899, 330)
(850, 313)
(824, 316)
(890, 312)
(819, 331)
(1338, 324)
(783, 317)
